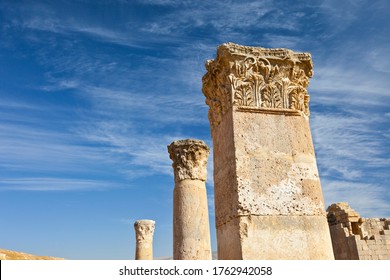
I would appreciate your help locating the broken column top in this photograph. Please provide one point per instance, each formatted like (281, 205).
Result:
(257, 79)
(144, 230)
(189, 158)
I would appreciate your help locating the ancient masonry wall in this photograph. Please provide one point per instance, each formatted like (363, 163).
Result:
(356, 238)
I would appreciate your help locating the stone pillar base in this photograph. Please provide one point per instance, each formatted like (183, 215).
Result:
(277, 238)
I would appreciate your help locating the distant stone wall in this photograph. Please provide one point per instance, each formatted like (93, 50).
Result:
(376, 244)
(356, 238)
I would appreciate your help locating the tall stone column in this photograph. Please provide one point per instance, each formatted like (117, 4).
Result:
(191, 229)
(268, 198)
(144, 230)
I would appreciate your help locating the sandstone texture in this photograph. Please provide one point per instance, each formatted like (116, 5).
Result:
(144, 230)
(268, 197)
(191, 229)
(357, 238)
(13, 255)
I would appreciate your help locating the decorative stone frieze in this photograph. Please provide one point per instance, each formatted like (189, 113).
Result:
(144, 230)
(257, 78)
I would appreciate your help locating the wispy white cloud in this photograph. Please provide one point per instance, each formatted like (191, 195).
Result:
(346, 78)
(31, 145)
(119, 108)
(348, 144)
(367, 199)
(7, 104)
(37, 16)
(224, 17)
(161, 2)
(61, 84)
(281, 41)
(160, 108)
(339, 15)
(376, 58)
(54, 184)
(349, 85)
(353, 154)
(142, 154)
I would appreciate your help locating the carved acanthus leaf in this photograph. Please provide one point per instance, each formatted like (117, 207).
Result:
(256, 77)
(189, 159)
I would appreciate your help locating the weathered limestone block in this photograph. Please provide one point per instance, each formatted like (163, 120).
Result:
(191, 229)
(144, 230)
(268, 198)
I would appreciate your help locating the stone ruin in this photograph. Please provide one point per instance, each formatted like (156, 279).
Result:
(191, 228)
(357, 238)
(144, 230)
(267, 191)
(268, 198)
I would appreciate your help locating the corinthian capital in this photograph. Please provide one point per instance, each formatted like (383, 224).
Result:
(257, 79)
(189, 159)
(144, 230)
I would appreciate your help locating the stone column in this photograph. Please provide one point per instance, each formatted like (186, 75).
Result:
(191, 229)
(268, 198)
(144, 230)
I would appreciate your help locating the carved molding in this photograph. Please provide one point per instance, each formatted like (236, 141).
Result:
(144, 230)
(189, 159)
(257, 78)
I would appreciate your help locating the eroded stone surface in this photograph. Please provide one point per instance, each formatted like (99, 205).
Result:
(291, 238)
(264, 162)
(144, 230)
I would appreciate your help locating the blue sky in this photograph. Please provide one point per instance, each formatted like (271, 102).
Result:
(92, 92)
